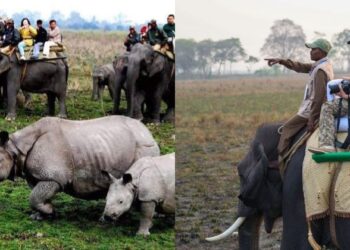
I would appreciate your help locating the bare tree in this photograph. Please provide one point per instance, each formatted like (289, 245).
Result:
(251, 60)
(341, 50)
(286, 40)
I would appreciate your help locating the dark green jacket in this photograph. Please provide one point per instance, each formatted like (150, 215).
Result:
(156, 36)
(169, 29)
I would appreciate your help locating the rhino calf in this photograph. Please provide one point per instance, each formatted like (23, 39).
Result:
(151, 181)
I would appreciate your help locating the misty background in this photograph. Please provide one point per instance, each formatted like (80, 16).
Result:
(233, 37)
(84, 15)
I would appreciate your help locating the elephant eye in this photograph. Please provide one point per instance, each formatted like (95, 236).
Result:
(120, 202)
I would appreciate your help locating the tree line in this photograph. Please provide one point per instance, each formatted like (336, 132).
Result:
(73, 21)
(210, 58)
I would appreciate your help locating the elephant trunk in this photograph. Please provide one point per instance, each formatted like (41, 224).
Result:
(117, 92)
(248, 233)
(95, 93)
(132, 76)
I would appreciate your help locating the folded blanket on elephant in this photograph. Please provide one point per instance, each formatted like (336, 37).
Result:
(164, 51)
(54, 52)
(317, 182)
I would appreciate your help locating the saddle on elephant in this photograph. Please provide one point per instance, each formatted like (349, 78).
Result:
(55, 53)
(165, 51)
(326, 179)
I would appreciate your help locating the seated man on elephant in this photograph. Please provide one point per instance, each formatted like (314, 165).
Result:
(55, 38)
(169, 29)
(132, 38)
(40, 39)
(28, 33)
(329, 111)
(11, 37)
(156, 36)
(315, 92)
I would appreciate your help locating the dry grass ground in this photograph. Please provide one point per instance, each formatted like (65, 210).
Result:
(215, 122)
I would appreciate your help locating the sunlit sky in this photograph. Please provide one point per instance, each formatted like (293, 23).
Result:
(250, 20)
(137, 11)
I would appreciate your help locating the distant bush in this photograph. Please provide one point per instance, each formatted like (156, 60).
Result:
(269, 71)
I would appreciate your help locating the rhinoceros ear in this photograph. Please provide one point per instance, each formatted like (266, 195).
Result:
(127, 178)
(4, 137)
(109, 175)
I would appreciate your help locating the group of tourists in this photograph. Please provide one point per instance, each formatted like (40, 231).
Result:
(152, 34)
(316, 110)
(28, 36)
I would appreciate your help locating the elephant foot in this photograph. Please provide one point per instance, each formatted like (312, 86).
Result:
(138, 117)
(10, 117)
(169, 119)
(151, 121)
(40, 216)
(63, 116)
(143, 232)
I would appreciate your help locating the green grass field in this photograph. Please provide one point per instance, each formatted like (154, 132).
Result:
(77, 225)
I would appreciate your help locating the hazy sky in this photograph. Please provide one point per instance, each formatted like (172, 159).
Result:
(135, 10)
(250, 20)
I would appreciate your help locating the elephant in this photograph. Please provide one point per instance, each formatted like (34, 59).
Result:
(58, 155)
(150, 78)
(150, 181)
(36, 77)
(265, 195)
(103, 76)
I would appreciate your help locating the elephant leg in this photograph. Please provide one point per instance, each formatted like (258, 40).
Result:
(138, 100)
(12, 91)
(170, 101)
(51, 104)
(100, 91)
(294, 223)
(111, 91)
(94, 96)
(156, 101)
(147, 212)
(27, 99)
(62, 105)
(116, 100)
(40, 198)
(342, 226)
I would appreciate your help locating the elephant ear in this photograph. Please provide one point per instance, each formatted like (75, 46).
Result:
(157, 64)
(120, 62)
(4, 63)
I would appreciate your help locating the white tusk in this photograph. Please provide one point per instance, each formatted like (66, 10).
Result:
(229, 231)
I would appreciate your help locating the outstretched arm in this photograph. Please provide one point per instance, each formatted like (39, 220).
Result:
(296, 66)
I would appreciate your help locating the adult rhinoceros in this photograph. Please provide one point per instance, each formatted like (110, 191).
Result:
(56, 155)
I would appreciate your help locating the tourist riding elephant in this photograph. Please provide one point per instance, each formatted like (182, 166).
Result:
(150, 77)
(37, 77)
(120, 65)
(56, 155)
(264, 196)
(103, 76)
